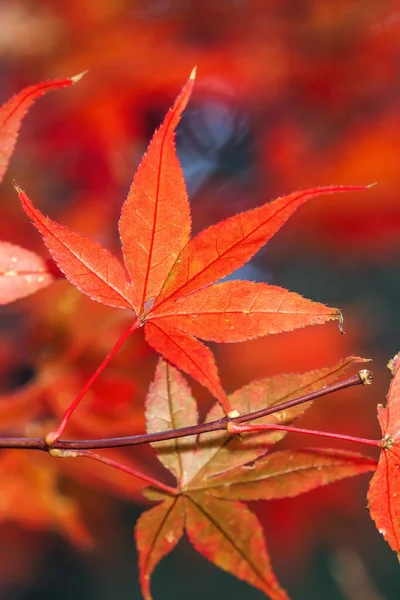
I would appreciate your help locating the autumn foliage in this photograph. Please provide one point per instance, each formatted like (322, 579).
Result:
(169, 284)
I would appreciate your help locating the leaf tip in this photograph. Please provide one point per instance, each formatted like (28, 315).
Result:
(193, 72)
(357, 359)
(78, 77)
(16, 187)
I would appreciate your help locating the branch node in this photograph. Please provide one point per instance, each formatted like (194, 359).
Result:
(233, 414)
(233, 428)
(57, 453)
(51, 437)
(366, 377)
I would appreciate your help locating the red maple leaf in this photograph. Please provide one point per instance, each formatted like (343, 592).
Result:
(383, 495)
(217, 471)
(22, 272)
(168, 280)
(13, 111)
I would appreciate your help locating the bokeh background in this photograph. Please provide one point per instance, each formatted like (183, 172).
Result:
(290, 95)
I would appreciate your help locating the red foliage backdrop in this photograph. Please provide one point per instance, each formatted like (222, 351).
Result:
(290, 96)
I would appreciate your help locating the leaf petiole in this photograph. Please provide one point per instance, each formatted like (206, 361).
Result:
(234, 428)
(53, 436)
(56, 453)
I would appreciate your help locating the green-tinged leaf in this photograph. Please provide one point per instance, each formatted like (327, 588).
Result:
(288, 473)
(157, 532)
(218, 451)
(213, 473)
(230, 536)
(170, 405)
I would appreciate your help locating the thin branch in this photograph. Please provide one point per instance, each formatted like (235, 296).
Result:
(362, 378)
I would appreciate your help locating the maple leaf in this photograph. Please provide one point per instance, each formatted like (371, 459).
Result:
(168, 280)
(216, 471)
(383, 493)
(12, 113)
(22, 273)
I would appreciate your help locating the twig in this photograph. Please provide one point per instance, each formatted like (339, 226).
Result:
(362, 378)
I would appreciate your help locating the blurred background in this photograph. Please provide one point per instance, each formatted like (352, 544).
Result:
(289, 95)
